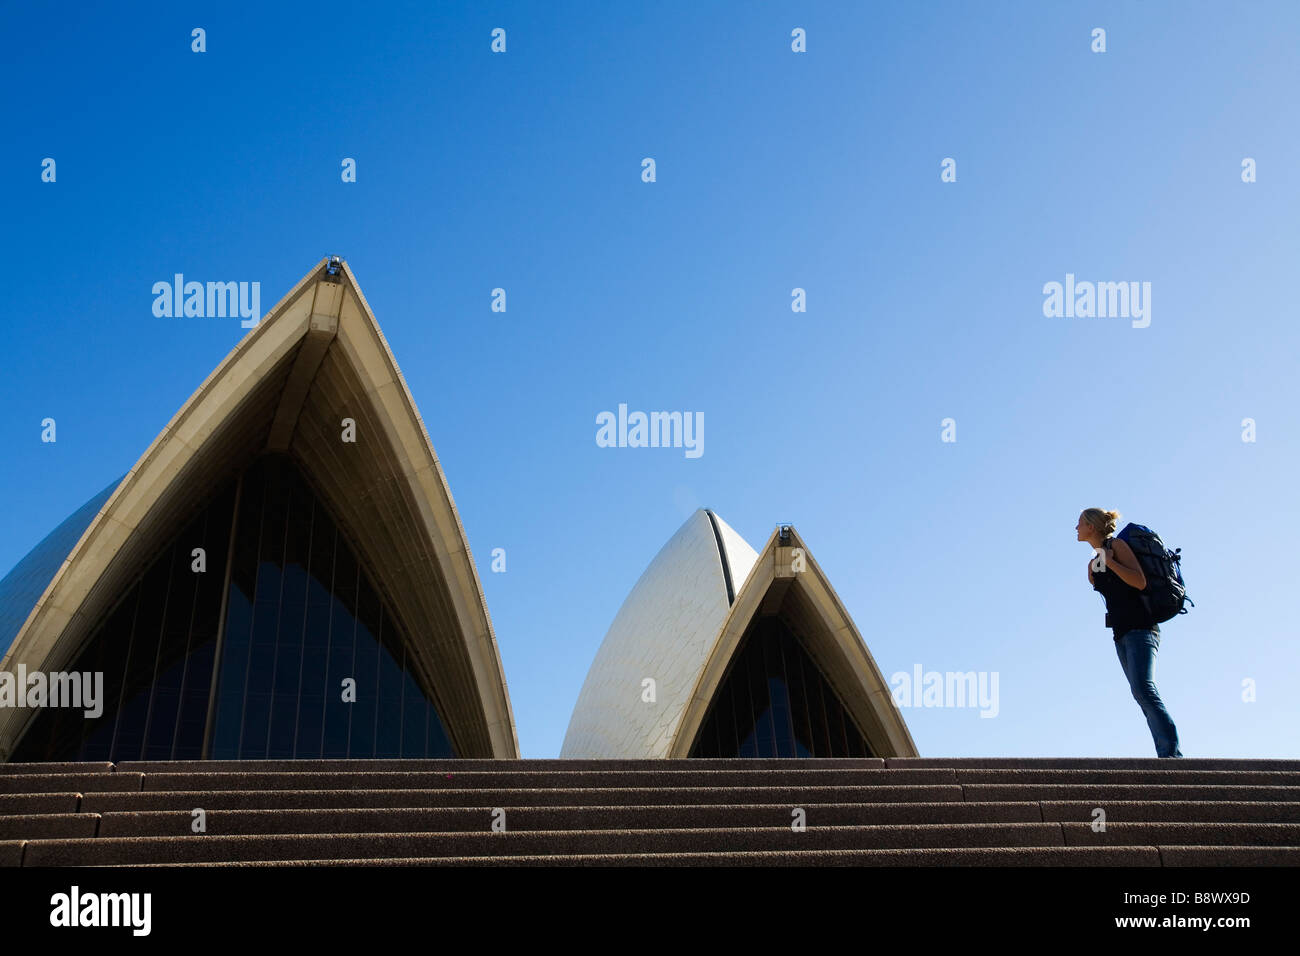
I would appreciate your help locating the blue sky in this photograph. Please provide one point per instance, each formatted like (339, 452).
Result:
(775, 171)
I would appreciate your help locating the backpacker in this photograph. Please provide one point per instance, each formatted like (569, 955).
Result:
(1165, 593)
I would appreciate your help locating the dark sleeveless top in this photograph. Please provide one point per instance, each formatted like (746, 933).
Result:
(1124, 608)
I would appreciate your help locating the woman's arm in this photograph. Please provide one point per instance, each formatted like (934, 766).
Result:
(1125, 563)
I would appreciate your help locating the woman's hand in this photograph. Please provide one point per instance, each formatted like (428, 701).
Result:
(1121, 559)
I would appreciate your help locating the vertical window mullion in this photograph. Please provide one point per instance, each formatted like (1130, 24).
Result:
(753, 655)
(401, 706)
(329, 638)
(218, 651)
(789, 693)
(738, 693)
(252, 631)
(844, 718)
(306, 616)
(764, 662)
(800, 690)
(279, 620)
(189, 638)
(379, 675)
(157, 654)
(821, 698)
(355, 628)
(126, 663)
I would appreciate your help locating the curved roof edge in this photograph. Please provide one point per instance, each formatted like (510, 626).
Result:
(64, 614)
(779, 575)
(448, 533)
(22, 587)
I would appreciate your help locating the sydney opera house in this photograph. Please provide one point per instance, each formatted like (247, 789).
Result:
(291, 635)
(300, 479)
(723, 652)
(291, 529)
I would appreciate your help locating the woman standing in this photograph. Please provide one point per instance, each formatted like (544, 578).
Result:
(1116, 572)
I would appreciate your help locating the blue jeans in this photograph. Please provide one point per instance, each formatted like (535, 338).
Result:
(1137, 655)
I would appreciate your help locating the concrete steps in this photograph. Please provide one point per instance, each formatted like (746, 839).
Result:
(918, 811)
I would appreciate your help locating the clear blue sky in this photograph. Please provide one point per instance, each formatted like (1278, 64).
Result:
(775, 170)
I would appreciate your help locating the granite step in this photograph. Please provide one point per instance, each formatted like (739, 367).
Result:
(899, 811)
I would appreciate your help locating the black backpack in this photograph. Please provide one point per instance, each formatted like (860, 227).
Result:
(1165, 593)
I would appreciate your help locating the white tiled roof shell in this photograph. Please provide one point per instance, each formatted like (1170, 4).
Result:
(665, 631)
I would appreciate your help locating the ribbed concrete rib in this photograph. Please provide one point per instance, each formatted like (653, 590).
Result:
(910, 812)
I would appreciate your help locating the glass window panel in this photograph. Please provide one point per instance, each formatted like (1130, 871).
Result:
(817, 704)
(388, 724)
(439, 739)
(142, 656)
(835, 714)
(293, 615)
(764, 741)
(192, 719)
(228, 726)
(300, 616)
(778, 702)
(415, 731)
(142, 650)
(261, 663)
(361, 742)
(108, 654)
(308, 740)
(169, 665)
(707, 745)
(311, 697)
(801, 725)
(196, 681)
(777, 690)
(338, 713)
(237, 641)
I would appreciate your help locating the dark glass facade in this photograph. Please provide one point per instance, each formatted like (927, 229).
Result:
(774, 702)
(302, 618)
